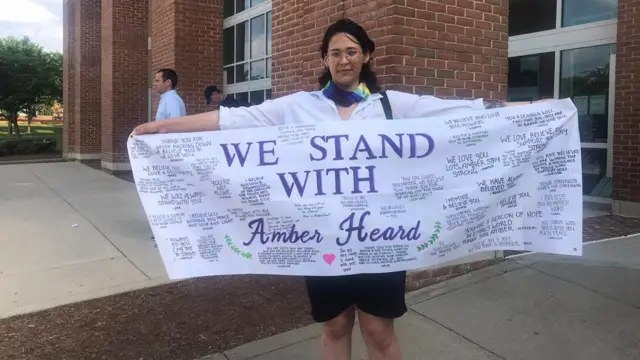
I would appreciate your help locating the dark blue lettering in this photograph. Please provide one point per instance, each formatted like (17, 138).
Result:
(322, 150)
(413, 145)
(397, 147)
(337, 145)
(362, 146)
(288, 187)
(357, 179)
(349, 226)
(231, 158)
(257, 227)
(263, 152)
(337, 178)
(319, 182)
(291, 237)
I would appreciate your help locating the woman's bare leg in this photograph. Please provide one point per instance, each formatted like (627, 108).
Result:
(336, 336)
(380, 337)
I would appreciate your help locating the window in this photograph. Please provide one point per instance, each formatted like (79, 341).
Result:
(529, 16)
(233, 7)
(532, 16)
(595, 181)
(531, 77)
(247, 50)
(585, 78)
(578, 12)
(253, 97)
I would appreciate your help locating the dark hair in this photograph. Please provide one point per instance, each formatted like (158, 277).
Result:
(169, 74)
(208, 92)
(352, 28)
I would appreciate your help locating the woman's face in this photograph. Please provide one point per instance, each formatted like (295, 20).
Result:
(344, 60)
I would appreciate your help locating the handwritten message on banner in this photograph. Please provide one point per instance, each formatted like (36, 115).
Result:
(345, 197)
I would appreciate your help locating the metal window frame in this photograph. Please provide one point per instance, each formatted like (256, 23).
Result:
(568, 38)
(247, 15)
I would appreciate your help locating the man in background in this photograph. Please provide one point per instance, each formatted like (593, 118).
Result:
(214, 96)
(171, 104)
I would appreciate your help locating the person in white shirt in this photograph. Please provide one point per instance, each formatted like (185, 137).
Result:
(171, 104)
(350, 91)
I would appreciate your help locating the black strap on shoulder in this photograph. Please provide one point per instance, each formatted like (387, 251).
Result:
(386, 105)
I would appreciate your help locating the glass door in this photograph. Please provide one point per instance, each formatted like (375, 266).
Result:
(587, 76)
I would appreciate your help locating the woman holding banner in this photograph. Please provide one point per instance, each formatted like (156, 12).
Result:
(350, 91)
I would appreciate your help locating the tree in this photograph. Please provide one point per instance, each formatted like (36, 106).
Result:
(30, 76)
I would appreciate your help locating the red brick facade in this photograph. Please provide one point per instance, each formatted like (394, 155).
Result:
(68, 69)
(87, 80)
(626, 136)
(447, 48)
(81, 134)
(125, 73)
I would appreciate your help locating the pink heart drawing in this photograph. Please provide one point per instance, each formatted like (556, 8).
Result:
(328, 258)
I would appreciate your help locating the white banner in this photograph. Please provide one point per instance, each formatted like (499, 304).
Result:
(345, 197)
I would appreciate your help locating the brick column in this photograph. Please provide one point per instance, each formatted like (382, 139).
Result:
(124, 76)
(68, 65)
(86, 114)
(448, 49)
(186, 35)
(626, 134)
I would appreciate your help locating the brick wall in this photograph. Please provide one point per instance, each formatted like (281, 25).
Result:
(87, 79)
(124, 78)
(198, 41)
(162, 19)
(448, 48)
(187, 36)
(296, 35)
(626, 135)
(68, 93)
(427, 277)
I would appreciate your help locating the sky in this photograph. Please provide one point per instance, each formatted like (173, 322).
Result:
(41, 20)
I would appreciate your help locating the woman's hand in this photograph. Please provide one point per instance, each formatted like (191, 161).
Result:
(148, 128)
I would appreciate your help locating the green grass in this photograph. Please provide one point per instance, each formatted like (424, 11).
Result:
(38, 131)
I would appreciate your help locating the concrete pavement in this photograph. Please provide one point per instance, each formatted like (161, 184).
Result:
(527, 308)
(70, 233)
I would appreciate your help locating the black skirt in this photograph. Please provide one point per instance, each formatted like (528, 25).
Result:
(380, 295)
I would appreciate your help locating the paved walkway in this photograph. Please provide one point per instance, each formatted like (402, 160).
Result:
(527, 308)
(70, 233)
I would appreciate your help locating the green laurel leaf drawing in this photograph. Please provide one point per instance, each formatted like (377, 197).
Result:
(433, 238)
(245, 254)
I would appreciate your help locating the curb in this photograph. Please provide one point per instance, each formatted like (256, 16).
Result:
(218, 356)
(34, 161)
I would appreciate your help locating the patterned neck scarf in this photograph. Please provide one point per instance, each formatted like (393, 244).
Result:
(345, 98)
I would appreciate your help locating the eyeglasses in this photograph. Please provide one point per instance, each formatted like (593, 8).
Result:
(338, 55)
